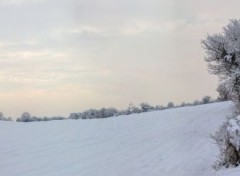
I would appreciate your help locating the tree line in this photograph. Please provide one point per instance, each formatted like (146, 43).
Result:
(109, 112)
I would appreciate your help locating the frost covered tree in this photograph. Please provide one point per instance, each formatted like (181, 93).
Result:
(223, 57)
(107, 112)
(145, 107)
(135, 109)
(25, 117)
(75, 115)
(132, 109)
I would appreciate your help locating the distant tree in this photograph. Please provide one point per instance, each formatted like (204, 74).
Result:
(159, 107)
(90, 114)
(135, 109)
(170, 105)
(206, 99)
(25, 117)
(145, 107)
(2, 118)
(44, 119)
(196, 102)
(132, 109)
(129, 109)
(107, 112)
(75, 116)
(183, 104)
(34, 118)
(9, 119)
(102, 113)
(56, 118)
(121, 112)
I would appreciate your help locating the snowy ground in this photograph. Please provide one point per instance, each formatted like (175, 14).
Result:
(229, 172)
(169, 143)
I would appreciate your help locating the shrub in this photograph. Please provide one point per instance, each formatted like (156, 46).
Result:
(228, 140)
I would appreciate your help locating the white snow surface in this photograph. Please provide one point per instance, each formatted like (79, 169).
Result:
(229, 172)
(174, 142)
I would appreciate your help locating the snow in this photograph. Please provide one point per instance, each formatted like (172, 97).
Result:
(174, 142)
(233, 132)
(229, 172)
(228, 58)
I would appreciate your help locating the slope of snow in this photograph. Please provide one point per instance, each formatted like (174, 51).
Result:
(172, 142)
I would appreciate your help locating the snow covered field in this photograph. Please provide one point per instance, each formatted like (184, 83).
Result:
(173, 142)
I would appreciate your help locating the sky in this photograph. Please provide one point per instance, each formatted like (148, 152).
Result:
(63, 56)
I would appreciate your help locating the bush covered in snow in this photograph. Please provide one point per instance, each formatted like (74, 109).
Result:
(228, 140)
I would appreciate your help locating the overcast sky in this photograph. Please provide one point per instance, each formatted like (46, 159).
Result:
(62, 56)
